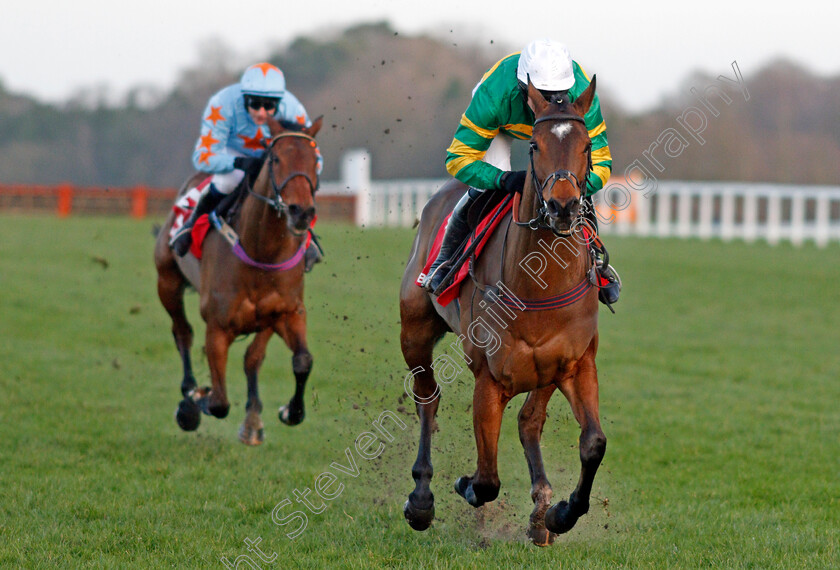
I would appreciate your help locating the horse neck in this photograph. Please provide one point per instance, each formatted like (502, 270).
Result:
(566, 259)
(262, 233)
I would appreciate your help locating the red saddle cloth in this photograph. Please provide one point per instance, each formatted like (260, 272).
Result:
(183, 208)
(451, 292)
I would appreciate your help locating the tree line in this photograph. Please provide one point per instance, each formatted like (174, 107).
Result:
(401, 98)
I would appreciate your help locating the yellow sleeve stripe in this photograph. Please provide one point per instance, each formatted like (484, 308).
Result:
(601, 155)
(459, 149)
(455, 165)
(603, 173)
(598, 130)
(527, 130)
(483, 133)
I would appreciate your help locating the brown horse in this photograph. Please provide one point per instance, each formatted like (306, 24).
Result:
(524, 330)
(255, 288)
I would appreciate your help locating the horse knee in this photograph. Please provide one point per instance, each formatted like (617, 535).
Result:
(302, 363)
(593, 446)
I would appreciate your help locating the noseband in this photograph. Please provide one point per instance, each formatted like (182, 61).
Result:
(277, 202)
(542, 219)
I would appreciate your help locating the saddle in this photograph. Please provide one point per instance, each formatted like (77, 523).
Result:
(484, 216)
(228, 208)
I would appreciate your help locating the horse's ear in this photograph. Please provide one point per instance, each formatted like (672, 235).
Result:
(584, 100)
(315, 127)
(535, 97)
(274, 126)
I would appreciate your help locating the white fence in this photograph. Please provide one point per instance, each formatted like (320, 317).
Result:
(725, 210)
(730, 210)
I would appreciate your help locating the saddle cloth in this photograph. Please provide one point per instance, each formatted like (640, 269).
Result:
(451, 292)
(183, 207)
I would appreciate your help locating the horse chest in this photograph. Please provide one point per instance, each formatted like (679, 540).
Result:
(522, 366)
(256, 312)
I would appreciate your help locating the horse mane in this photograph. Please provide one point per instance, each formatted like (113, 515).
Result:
(291, 125)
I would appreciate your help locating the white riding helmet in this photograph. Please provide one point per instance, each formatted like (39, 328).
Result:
(549, 65)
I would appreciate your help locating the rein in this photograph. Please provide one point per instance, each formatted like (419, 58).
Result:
(232, 238)
(541, 218)
(277, 201)
(540, 221)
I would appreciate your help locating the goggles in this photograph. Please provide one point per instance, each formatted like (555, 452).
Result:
(256, 103)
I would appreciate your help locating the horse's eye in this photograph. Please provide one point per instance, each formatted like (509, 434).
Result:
(533, 145)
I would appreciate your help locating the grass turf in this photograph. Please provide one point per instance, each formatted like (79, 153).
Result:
(719, 399)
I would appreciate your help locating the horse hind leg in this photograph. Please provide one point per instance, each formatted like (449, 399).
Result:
(420, 332)
(171, 285)
(582, 392)
(252, 430)
(531, 421)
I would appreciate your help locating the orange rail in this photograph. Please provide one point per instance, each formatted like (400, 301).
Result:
(138, 202)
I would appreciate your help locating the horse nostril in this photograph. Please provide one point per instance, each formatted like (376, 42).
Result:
(553, 207)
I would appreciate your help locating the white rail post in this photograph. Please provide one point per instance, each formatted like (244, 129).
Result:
(727, 215)
(797, 219)
(822, 231)
(684, 213)
(663, 213)
(355, 175)
(774, 218)
(704, 229)
(750, 216)
(642, 214)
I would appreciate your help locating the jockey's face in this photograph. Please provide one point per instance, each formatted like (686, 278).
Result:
(260, 108)
(259, 116)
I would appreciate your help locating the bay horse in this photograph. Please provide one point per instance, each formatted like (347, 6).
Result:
(518, 337)
(259, 292)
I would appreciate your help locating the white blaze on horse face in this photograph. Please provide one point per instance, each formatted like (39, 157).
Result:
(560, 130)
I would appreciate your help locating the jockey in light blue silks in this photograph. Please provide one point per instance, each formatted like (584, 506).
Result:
(234, 131)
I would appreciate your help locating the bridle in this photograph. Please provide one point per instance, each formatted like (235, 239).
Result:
(542, 218)
(277, 201)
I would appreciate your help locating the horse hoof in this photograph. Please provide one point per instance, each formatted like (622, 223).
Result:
(463, 486)
(219, 411)
(541, 536)
(289, 418)
(251, 436)
(188, 415)
(560, 518)
(418, 519)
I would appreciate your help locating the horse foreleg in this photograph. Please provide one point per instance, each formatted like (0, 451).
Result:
(531, 422)
(418, 338)
(217, 343)
(293, 332)
(581, 389)
(489, 401)
(251, 432)
(171, 293)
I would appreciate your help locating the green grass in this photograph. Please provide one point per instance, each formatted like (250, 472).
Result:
(719, 398)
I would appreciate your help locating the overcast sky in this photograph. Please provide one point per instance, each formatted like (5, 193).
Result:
(640, 50)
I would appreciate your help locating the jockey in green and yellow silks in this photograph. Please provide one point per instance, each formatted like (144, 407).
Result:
(479, 155)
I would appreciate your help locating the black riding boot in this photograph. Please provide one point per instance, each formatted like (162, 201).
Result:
(608, 294)
(456, 230)
(181, 241)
